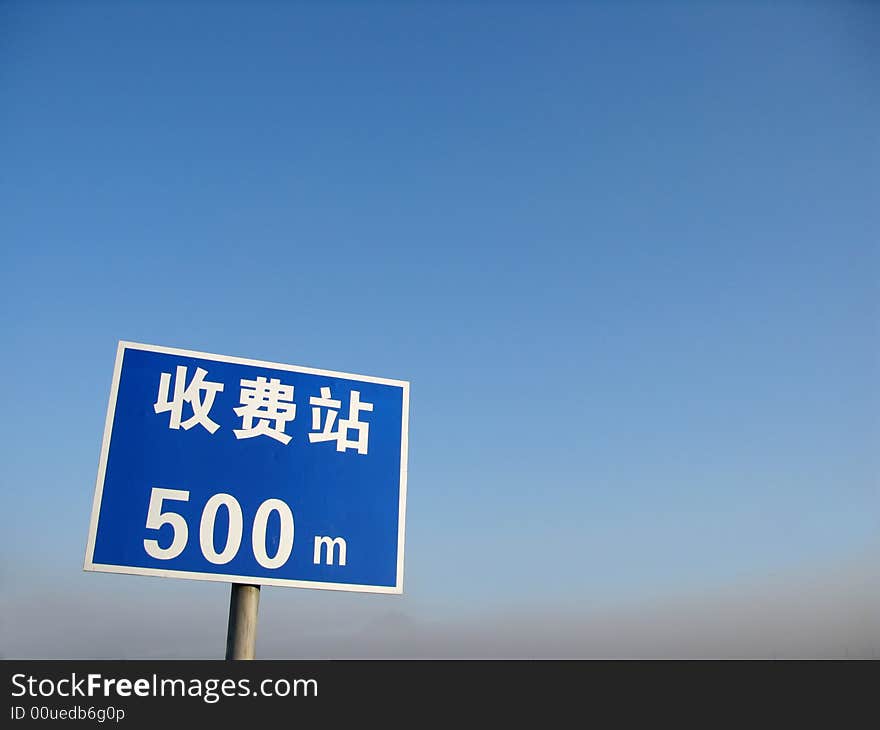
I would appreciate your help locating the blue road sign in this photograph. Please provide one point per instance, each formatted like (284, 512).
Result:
(227, 469)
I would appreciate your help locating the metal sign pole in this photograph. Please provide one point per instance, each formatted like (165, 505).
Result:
(241, 635)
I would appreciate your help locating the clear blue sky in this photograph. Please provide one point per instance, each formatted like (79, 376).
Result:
(626, 254)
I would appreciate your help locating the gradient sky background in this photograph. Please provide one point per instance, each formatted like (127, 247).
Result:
(626, 254)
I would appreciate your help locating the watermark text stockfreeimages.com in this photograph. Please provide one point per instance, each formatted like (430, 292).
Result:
(209, 690)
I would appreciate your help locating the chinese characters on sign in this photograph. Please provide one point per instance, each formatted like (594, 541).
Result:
(189, 394)
(266, 408)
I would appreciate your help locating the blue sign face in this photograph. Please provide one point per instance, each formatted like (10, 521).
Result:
(221, 468)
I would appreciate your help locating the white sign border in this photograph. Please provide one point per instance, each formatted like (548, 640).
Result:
(90, 565)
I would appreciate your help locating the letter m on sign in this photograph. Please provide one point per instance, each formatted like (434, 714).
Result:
(330, 543)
